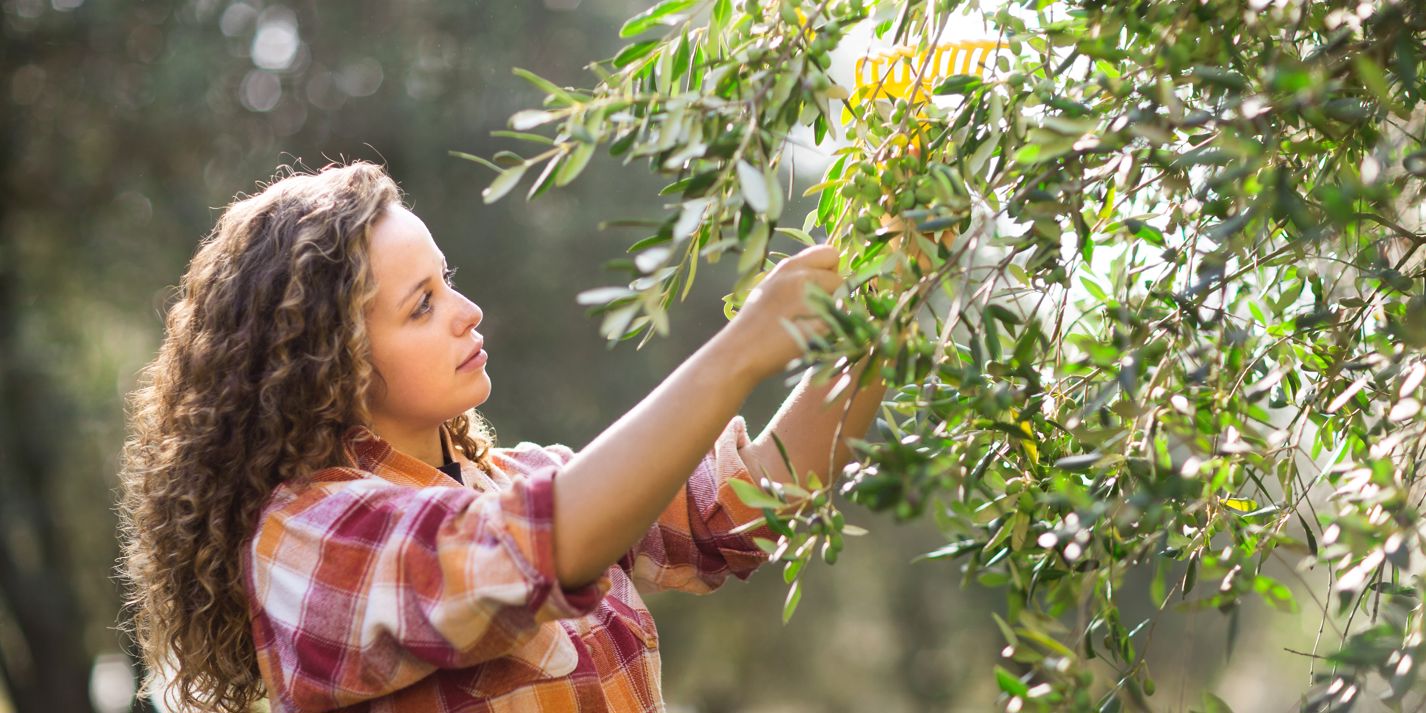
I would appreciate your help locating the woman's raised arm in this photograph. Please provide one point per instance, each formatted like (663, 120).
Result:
(807, 426)
(612, 491)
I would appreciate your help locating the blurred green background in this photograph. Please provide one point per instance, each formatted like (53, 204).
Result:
(128, 125)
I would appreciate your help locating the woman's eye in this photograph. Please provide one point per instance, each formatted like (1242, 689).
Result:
(425, 305)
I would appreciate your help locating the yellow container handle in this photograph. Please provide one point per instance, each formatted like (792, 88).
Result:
(888, 75)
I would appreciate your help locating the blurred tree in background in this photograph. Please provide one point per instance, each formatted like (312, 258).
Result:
(1145, 277)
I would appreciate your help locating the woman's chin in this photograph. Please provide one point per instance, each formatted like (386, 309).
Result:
(482, 392)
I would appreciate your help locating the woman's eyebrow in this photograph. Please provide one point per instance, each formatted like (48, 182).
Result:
(417, 288)
(413, 292)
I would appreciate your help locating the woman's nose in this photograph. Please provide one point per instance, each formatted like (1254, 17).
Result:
(470, 316)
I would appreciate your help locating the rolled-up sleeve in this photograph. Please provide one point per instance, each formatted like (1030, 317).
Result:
(692, 547)
(362, 587)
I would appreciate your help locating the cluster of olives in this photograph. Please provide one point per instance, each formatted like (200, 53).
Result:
(894, 187)
(902, 186)
(829, 525)
(826, 37)
(824, 523)
(791, 13)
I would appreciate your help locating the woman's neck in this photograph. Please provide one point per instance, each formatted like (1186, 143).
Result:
(423, 444)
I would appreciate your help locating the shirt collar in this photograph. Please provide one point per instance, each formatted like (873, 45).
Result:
(374, 454)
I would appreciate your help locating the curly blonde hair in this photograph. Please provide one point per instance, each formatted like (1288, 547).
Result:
(264, 366)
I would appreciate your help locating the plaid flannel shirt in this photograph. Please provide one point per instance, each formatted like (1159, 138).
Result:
(391, 587)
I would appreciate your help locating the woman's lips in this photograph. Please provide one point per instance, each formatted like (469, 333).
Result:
(474, 362)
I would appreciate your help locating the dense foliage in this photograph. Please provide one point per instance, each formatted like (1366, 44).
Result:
(1146, 289)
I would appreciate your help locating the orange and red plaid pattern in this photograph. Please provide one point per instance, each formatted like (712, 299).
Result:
(391, 587)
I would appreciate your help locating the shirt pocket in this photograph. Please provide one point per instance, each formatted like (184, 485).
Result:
(550, 654)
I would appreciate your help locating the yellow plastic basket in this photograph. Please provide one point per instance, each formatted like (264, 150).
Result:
(890, 74)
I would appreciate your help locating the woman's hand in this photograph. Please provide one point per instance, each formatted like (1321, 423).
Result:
(781, 296)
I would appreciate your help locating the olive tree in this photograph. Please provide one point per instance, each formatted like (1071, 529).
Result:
(1143, 280)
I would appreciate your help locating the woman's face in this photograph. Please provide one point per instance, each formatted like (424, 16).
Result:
(421, 330)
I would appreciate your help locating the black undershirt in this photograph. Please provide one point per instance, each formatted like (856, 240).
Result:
(451, 467)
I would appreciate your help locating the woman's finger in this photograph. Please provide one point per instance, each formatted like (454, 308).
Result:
(816, 256)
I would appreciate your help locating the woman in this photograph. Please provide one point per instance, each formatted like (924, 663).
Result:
(315, 514)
